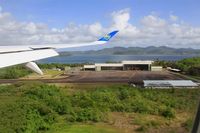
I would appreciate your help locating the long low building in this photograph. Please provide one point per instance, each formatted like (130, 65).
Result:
(124, 65)
(169, 84)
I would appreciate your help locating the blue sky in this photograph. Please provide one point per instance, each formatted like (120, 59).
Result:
(57, 13)
(173, 23)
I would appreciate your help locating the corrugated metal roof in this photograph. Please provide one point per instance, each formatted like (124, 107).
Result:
(170, 83)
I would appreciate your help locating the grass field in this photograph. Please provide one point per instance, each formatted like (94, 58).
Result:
(83, 128)
(48, 73)
(95, 108)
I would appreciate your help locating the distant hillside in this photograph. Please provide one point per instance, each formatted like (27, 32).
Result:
(138, 51)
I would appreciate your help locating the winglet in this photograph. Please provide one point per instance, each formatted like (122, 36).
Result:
(108, 36)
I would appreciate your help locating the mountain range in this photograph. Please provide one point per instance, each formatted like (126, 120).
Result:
(163, 50)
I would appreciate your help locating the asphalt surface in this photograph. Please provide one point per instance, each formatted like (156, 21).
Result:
(135, 77)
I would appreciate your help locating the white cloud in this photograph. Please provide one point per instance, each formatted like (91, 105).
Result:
(153, 30)
(153, 21)
(31, 28)
(121, 22)
(95, 28)
(121, 18)
(173, 18)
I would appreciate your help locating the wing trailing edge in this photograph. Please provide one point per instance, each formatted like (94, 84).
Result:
(10, 59)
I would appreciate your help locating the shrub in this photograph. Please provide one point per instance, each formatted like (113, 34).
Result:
(25, 116)
(83, 100)
(14, 72)
(52, 97)
(123, 94)
(168, 112)
(118, 107)
(194, 70)
(140, 106)
(85, 114)
(188, 124)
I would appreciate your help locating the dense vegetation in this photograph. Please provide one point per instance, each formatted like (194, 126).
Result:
(58, 65)
(19, 71)
(190, 66)
(14, 72)
(34, 107)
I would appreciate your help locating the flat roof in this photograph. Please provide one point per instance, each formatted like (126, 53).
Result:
(109, 64)
(172, 83)
(89, 66)
(140, 62)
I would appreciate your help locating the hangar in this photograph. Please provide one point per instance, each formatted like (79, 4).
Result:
(137, 65)
(124, 65)
(110, 66)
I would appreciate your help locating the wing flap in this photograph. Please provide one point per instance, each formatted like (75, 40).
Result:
(10, 59)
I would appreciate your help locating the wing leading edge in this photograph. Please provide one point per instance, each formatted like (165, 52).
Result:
(13, 55)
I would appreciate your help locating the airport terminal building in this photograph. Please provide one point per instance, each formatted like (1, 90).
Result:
(123, 66)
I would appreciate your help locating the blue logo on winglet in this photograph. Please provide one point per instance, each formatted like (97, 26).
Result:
(108, 36)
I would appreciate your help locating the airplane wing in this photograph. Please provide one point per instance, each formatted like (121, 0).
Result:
(13, 55)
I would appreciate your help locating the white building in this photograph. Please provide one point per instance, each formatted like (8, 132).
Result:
(156, 68)
(124, 65)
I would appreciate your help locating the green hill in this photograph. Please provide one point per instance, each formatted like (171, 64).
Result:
(138, 51)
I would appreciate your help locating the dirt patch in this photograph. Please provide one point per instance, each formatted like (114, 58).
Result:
(122, 121)
(134, 122)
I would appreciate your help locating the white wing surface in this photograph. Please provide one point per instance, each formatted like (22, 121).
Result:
(13, 55)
